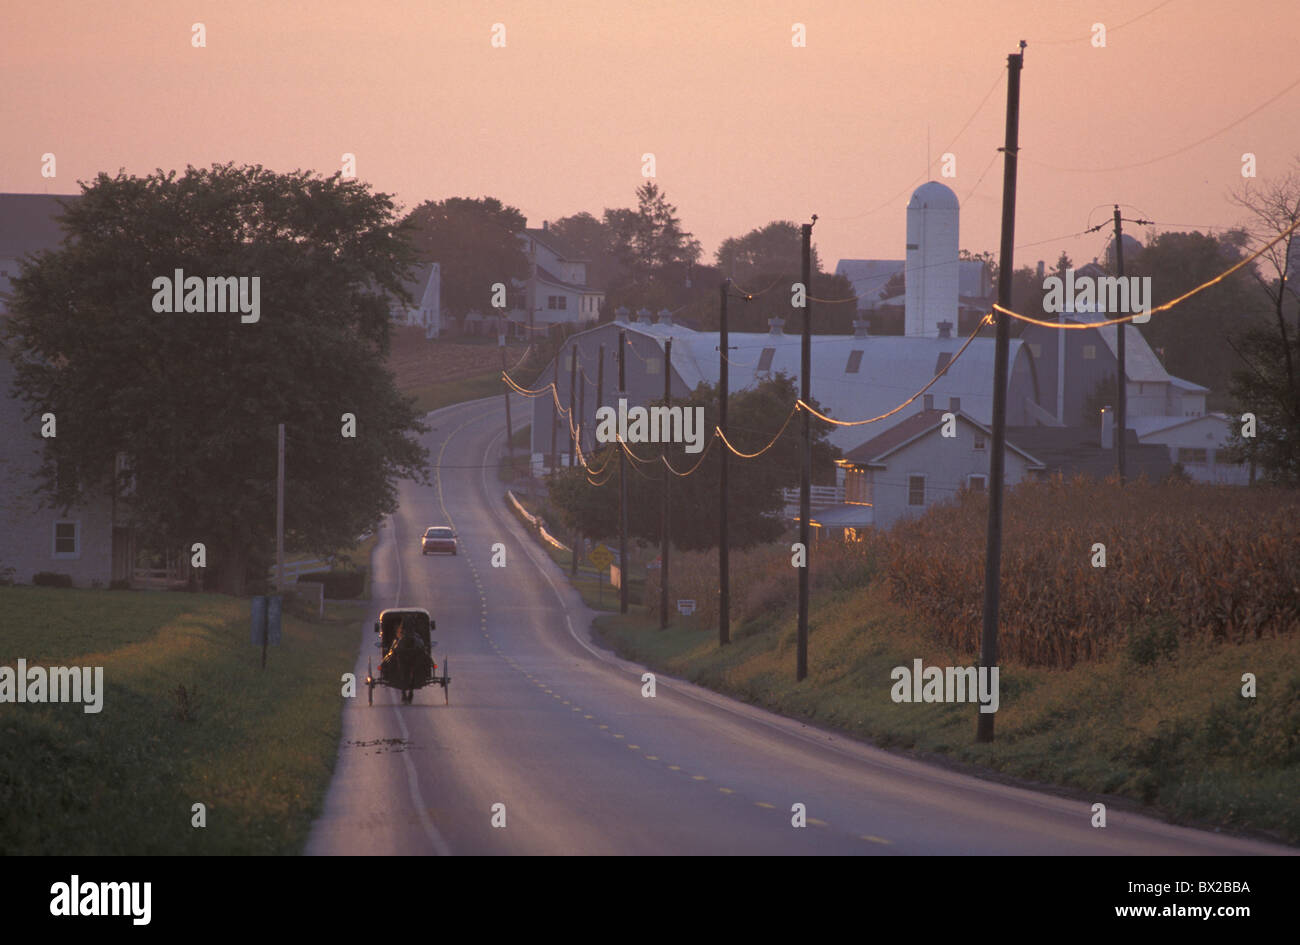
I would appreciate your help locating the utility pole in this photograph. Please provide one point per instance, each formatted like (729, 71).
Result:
(555, 402)
(510, 449)
(663, 508)
(997, 457)
(582, 412)
(573, 443)
(622, 483)
(573, 383)
(600, 379)
(279, 513)
(724, 573)
(805, 476)
(1121, 374)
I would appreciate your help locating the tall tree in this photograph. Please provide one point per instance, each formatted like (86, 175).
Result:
(650, 240)
(1190, 336)
(1269, 384)
(774, 248)
(475, 242)
(193, 398)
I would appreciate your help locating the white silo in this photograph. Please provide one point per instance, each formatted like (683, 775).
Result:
(931, 267)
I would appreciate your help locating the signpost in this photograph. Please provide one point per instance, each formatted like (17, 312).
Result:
(601, 557)
(686, 607)
(266, 622)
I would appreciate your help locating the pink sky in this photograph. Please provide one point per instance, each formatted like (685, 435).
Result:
(744, 127)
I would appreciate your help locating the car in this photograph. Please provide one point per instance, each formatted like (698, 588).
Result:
(438, 538)
(405, 638)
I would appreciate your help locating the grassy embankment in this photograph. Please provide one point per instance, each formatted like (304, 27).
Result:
(440, 373)
(1154, 715)
(257, 747)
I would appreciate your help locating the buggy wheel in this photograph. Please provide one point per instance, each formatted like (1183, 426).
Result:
(370, 683)
(446, 682)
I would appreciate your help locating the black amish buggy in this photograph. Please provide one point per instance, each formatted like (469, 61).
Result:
(407, 664)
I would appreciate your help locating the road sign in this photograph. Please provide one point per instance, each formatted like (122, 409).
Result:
(601, 557)
(686, 607)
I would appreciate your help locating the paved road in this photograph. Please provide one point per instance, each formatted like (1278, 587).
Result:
(557, 730)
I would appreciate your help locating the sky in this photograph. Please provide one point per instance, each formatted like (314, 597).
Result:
(745, 126)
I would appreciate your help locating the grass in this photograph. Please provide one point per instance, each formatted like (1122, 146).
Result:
(1172, 733)
(444, 393)
(258, 751)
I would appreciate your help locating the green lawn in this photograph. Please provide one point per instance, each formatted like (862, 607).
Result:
(443, 394)
(1175, 735)
(258, 751)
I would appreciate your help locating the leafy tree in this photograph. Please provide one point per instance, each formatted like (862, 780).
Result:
(193, 399)
(476, 244)
(754, 416)
(774, 248)
(594, 240)
(1269, 385)
(650, 239)
(1191, 335)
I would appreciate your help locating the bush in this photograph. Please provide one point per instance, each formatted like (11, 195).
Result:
(121, 584)
(339, 584)
(51, 579)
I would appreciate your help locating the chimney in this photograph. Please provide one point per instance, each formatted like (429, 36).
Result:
(945, 329)
(1042, 270)
(775, 326)
(1107, 428)
(861, 327)
(545, 226)
(929, 401)
(954, 404)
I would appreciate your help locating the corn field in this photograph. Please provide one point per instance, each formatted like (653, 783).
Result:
(1222, 562)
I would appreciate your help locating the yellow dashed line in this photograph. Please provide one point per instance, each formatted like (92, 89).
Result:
(817, 823)
(726, 790)
(651, 757)
(635, 747)
(616, 736)
(870, 839)
(765, 804)
(674, 768)
(698, 777)
(602, 726)
(588, 716)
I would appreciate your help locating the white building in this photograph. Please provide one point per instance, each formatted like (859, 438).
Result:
(556, 290)
(1199, 443)
(84, 542)
(425, 288)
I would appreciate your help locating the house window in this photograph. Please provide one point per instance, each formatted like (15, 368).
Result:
(979, 441)
(1225, 458)
(916, 490)
(1090, 352)
(1192, 455)
(855, 362)
(557, 302)
(67, 539)
(977, 483)
(857, 487)
(765, 359)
